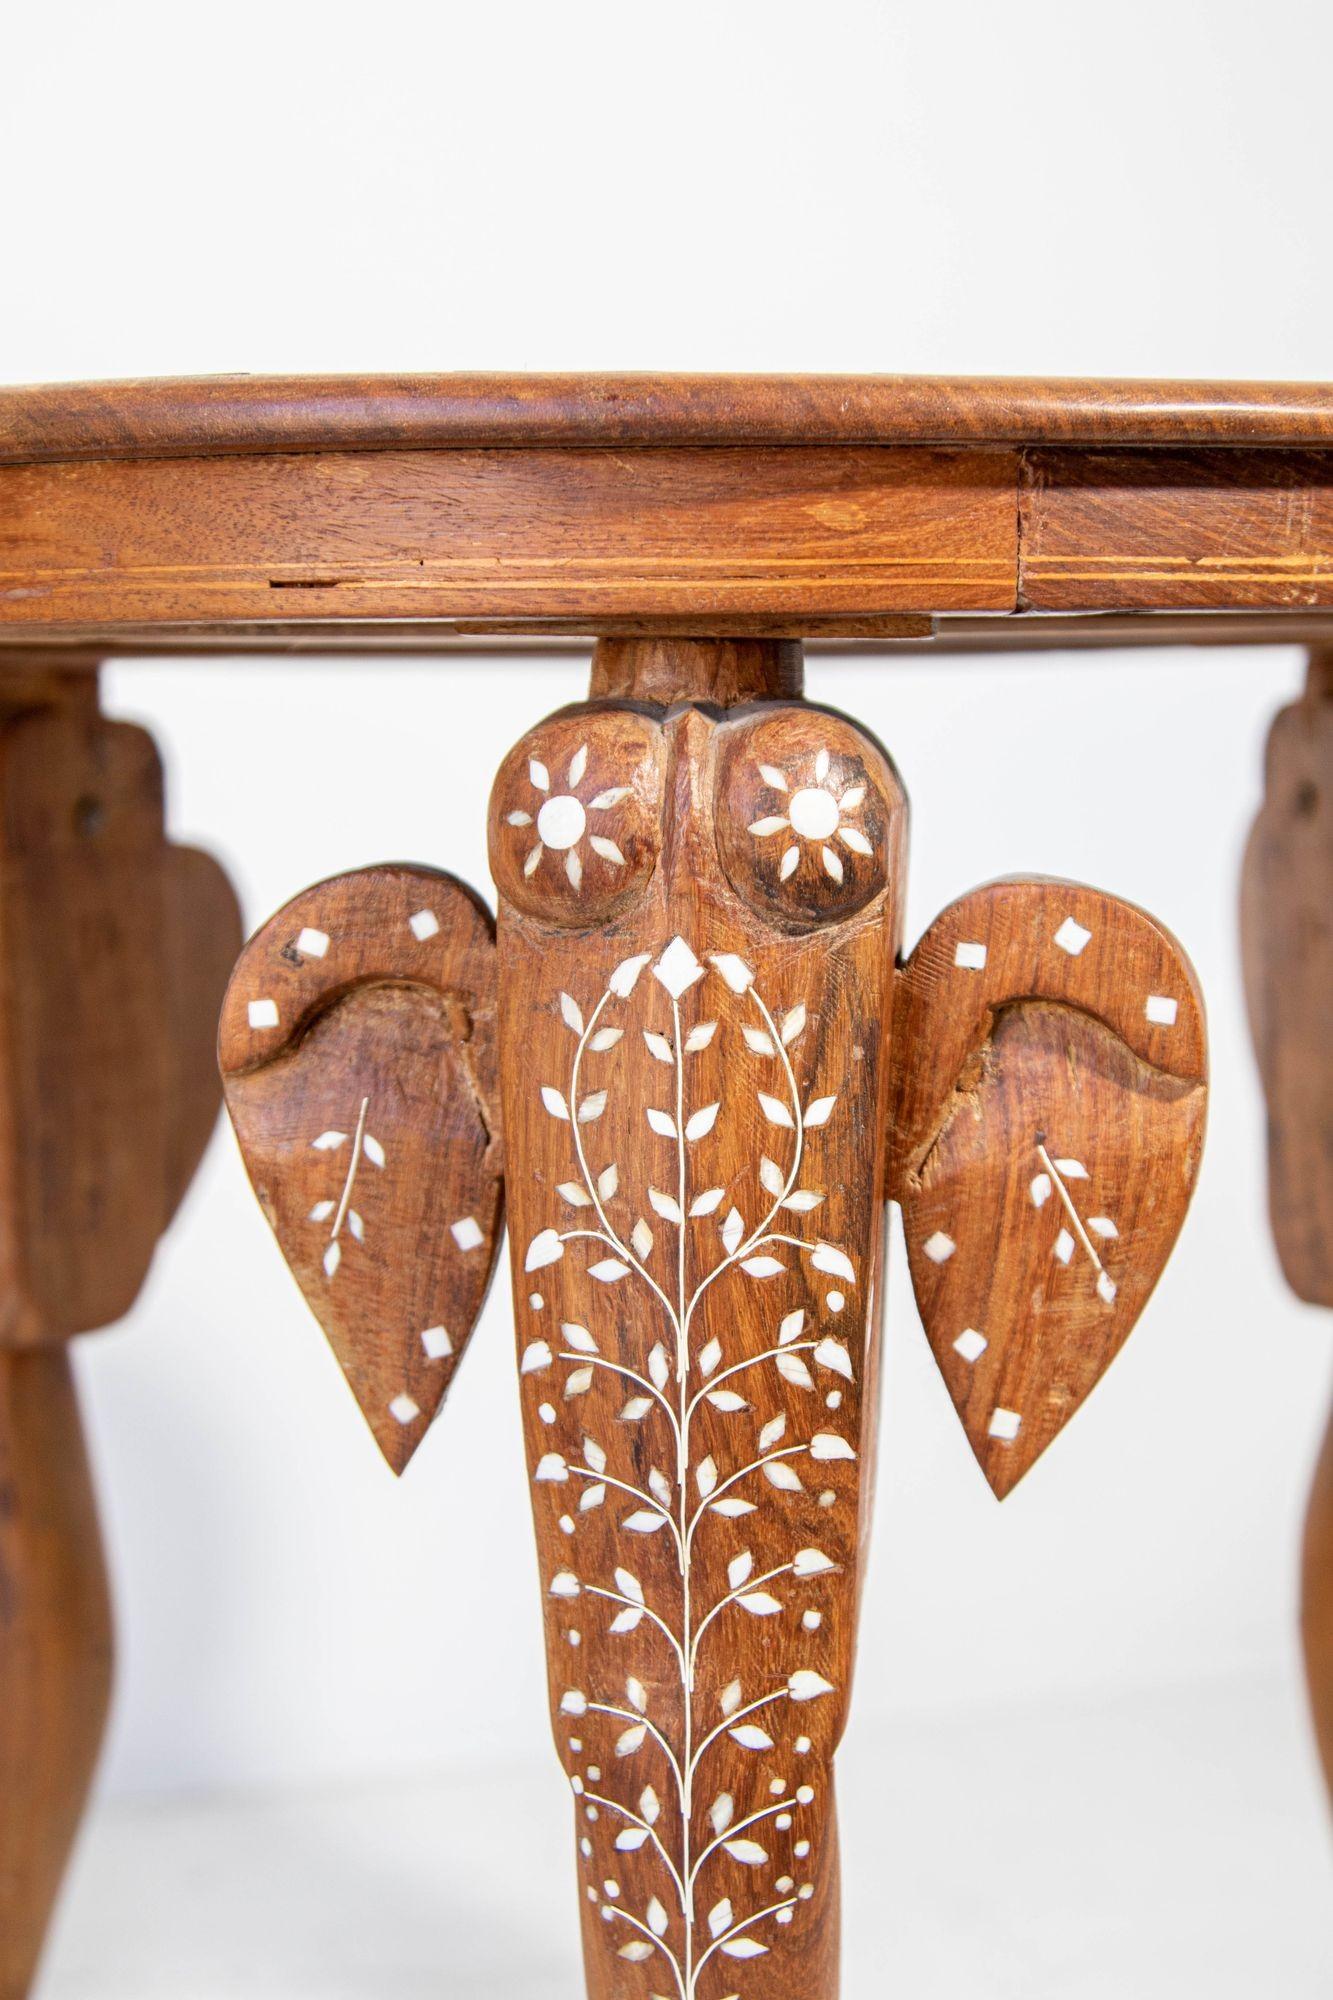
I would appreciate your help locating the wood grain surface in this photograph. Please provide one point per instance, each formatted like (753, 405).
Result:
(1048, 1126)
(1287, 952)
(114, 950)
(357, 1049)
(695, 1055)
(1172, 530)
(219, 414)
(55, 1647)
(675, 533)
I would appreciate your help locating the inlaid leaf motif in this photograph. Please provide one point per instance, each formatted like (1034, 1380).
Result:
(793, 1369)
(728, 1401)
(793, 1023)
(763, 1267)
(744, 1948)
(783, 1475)
(667, 1386)
(748, 1852)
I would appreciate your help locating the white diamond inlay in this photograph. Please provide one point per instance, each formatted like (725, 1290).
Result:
(971, 956)
(1072, 937)
(466, 1234)
(939, 1247)
(313, 944)
(436, 1342)
(402, 1409)
(971, 1344)
(1004, 1424)
(677, 968)
(263, 1013)
(1162, 1009)
(425, 924)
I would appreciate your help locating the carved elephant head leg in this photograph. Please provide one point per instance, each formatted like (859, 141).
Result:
(714, 1072)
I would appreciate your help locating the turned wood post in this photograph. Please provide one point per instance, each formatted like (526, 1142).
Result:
(113, 952)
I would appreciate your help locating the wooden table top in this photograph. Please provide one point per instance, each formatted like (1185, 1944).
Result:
(387, 512)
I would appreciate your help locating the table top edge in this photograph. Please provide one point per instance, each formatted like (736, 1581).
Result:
(257, 414)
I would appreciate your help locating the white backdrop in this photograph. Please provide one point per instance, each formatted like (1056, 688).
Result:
(864, 186)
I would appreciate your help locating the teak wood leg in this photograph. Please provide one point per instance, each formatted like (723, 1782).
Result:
(714, 1072)
(114, 947)
(1287, 940)
(55, 1646)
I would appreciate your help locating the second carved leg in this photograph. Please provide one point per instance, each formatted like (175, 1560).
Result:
(1287, 938)
(55, 1647)
(115, 947)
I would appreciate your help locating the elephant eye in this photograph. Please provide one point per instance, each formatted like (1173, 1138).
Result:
(575, 815)
(807, 812)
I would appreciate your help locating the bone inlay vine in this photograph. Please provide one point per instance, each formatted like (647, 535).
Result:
(1056, 1174)
(817, 814)
(562, 818)
(364, 1146)
(681, 1923)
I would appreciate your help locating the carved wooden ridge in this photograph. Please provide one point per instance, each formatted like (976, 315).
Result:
(714, 1070)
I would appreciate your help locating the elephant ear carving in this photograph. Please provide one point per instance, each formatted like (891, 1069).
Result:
(357, 1049)
(1047, 1128)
